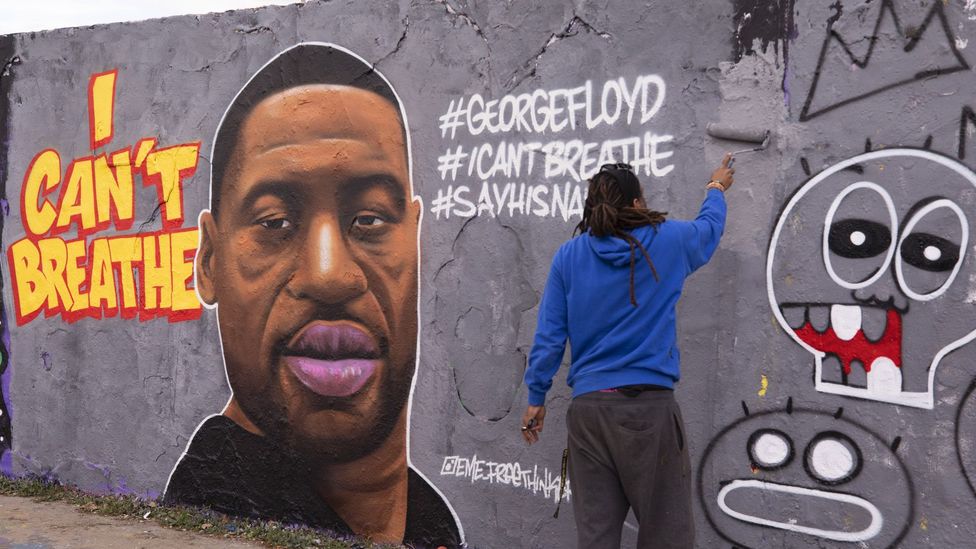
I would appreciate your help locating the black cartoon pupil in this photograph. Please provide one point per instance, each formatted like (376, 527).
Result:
(858, 238)
(929, 252)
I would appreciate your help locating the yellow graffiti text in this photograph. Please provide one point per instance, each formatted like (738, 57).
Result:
(149, 275)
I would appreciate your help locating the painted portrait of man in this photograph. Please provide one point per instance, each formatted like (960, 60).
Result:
(309, 254)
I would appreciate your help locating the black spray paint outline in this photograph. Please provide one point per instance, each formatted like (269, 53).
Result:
(967, 116)
(914, 36)
(958, 437)
(751, 447)
(790, 409)
(839, 437)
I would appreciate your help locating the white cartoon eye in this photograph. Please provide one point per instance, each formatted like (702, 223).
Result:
(857, 251)
(832, 458)
(770, 449)
(926, 264)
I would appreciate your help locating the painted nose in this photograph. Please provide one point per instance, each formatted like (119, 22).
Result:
(327, 270)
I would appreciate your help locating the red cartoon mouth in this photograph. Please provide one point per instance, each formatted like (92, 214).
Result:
(845, 338)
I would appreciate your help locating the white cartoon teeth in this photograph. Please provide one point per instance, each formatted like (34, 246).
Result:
(819, 316)
(874, 321)
(845, 320)
(884, 377)
(795, 316)
(832, 368)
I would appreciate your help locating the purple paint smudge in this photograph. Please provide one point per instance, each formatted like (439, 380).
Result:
(6, 460)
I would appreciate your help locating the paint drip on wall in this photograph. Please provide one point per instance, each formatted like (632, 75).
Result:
(761, 23)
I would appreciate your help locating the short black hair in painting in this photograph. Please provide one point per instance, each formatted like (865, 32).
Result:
(300, 65)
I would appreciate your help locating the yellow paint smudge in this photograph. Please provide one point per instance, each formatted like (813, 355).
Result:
(764, 384)
(924, 523)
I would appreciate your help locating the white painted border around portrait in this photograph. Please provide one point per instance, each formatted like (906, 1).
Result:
(416, 198)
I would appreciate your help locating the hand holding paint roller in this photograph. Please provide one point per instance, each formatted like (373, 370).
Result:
(722, 176)
(728, 133)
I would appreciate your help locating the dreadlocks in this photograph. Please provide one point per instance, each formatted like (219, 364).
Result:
(610, 212)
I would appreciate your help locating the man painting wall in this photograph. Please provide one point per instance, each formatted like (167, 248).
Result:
(309, 253)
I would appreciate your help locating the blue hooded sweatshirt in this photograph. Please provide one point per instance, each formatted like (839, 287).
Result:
(587, 299)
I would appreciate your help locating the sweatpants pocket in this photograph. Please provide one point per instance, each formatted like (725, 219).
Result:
(678, 432)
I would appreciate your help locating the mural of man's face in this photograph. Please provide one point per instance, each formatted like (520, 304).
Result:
(312, 258)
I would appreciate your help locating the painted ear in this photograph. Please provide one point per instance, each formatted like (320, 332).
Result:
(417, 205)
(839, 412)
(789, 405)
(745, 409)
(205, 263)
(895, 444)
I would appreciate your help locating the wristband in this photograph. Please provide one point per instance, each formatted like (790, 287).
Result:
(715, 185)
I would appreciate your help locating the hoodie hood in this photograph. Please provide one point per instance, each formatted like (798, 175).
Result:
(616, 251)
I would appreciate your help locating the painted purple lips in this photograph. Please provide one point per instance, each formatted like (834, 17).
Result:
(333, 360)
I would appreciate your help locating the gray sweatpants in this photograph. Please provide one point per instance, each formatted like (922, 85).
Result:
(629, 452)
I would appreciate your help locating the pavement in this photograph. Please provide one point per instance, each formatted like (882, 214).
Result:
(26, 524)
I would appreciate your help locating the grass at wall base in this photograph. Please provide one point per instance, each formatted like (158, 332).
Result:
(192, 519)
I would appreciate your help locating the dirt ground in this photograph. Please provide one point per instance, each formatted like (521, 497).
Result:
(25, 524)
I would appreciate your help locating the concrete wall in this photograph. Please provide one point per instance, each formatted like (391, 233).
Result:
(827, 385)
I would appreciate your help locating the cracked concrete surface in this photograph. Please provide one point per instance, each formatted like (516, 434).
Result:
(528, 68)
(482, 292)
(110, 404)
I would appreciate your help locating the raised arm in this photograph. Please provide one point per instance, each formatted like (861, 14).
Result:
(703, 234)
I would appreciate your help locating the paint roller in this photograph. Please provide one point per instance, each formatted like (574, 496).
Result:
(730, 133)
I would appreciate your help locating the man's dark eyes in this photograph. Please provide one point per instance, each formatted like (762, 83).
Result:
(368, 220)
(275, 224)
(364, 222)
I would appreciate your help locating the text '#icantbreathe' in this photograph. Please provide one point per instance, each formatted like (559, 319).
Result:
(528, 174)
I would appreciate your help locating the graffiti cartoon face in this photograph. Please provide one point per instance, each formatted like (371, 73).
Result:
(868, 270)
(787, 479)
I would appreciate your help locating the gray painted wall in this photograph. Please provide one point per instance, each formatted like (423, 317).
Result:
(110, 404)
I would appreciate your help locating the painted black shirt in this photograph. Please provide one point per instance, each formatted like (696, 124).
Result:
(235, 472)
